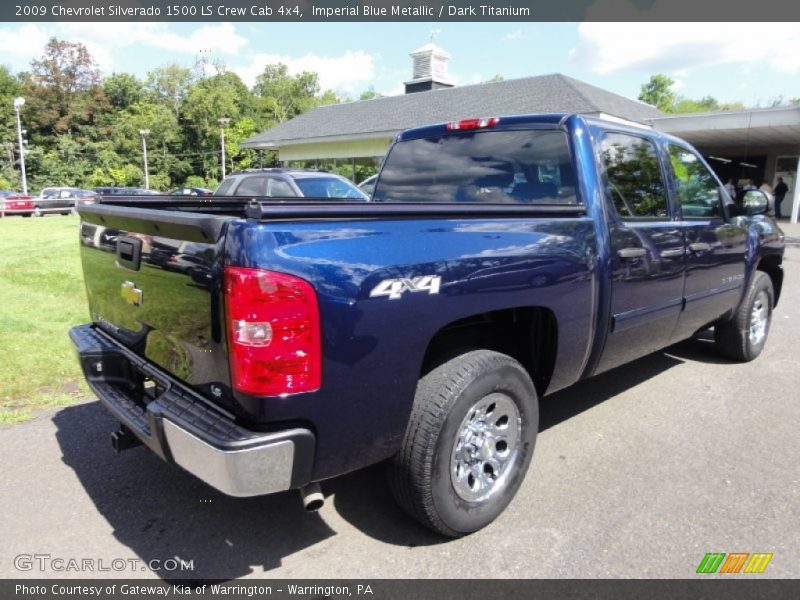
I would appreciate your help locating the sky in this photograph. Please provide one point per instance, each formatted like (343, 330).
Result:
(753, 63)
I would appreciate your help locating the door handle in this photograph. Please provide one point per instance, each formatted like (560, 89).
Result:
(700, 247)
(631, 253)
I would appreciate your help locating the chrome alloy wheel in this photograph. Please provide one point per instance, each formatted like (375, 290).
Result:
(486, 448)
(759, 318)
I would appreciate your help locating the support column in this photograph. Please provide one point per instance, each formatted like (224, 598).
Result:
(796, 199)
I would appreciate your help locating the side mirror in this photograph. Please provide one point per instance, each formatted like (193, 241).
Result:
(755, 202)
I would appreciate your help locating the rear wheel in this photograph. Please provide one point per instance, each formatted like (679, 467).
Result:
(37, 212)
(469, 442)
(742, 337)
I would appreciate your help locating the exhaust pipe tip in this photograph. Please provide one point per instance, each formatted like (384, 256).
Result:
(312, 497)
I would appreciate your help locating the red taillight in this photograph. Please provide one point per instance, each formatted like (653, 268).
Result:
(273, 332)
(466, 124)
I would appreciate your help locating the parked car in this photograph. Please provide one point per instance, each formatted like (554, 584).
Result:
(289, 183)
(500, 259)
(368, 185)
(125, 191)
(58, 200)
(191, 191)
(17, 204)
(86, 197)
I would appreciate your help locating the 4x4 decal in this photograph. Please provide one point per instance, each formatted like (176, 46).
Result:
(395, 288)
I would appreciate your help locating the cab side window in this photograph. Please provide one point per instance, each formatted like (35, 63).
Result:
(698, 189)
(634, 177)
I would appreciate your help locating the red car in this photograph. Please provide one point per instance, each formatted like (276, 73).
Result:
(17, 205)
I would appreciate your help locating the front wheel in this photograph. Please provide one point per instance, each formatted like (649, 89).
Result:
(742, 337)
(469, 442)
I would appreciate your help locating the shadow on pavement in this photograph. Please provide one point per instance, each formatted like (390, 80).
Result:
(161, 512)
(364, 500)
(582, 396)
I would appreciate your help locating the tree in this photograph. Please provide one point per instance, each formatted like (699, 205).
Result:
(10, 88)
(658, 92)
(705, 104)
(63, 88)
(170, 85)
(66, 66)
(369, 94)
(84, 131)
(163, 143)
(210, 99)
(123, 89)
(285, 96)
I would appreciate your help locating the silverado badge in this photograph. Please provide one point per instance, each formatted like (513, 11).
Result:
(131, 294)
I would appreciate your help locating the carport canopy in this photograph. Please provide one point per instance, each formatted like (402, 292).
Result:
(767, 131)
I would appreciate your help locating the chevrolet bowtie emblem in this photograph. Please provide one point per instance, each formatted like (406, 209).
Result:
(131, 293)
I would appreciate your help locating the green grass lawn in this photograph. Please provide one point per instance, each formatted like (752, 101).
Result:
(41, 297)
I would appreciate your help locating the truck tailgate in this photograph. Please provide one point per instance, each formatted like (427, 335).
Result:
(151, 284)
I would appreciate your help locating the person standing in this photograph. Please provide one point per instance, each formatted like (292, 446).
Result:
(780, 193)
(730, 187)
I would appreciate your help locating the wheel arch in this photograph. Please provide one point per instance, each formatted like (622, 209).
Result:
(527, 334)
(771, 265)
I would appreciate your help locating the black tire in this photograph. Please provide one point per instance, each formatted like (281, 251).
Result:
(737, 338)
(446, 399)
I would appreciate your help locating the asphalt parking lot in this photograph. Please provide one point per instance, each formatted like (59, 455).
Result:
(637, 473)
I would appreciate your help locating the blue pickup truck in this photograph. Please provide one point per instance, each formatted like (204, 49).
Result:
(269, 344)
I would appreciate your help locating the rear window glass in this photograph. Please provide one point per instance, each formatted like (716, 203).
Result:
(225, 187)
(328, 187)
(481, 167)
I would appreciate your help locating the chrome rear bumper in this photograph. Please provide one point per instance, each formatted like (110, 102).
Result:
(185, 429)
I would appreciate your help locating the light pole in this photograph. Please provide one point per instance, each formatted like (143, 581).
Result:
(223, 122)
(19, 103)
(144, 133)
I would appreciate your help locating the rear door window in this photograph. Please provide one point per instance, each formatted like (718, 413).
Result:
(520, 167)
(634, 177)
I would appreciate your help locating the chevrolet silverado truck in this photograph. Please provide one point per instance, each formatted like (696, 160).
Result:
(501, 259)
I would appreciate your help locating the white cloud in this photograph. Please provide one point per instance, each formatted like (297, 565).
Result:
(512, 36)
(22, 44)
(348, 73)
(104, 41)
(678, 84)
(680, 48)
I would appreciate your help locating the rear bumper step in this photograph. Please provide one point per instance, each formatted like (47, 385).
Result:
(182, 428)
